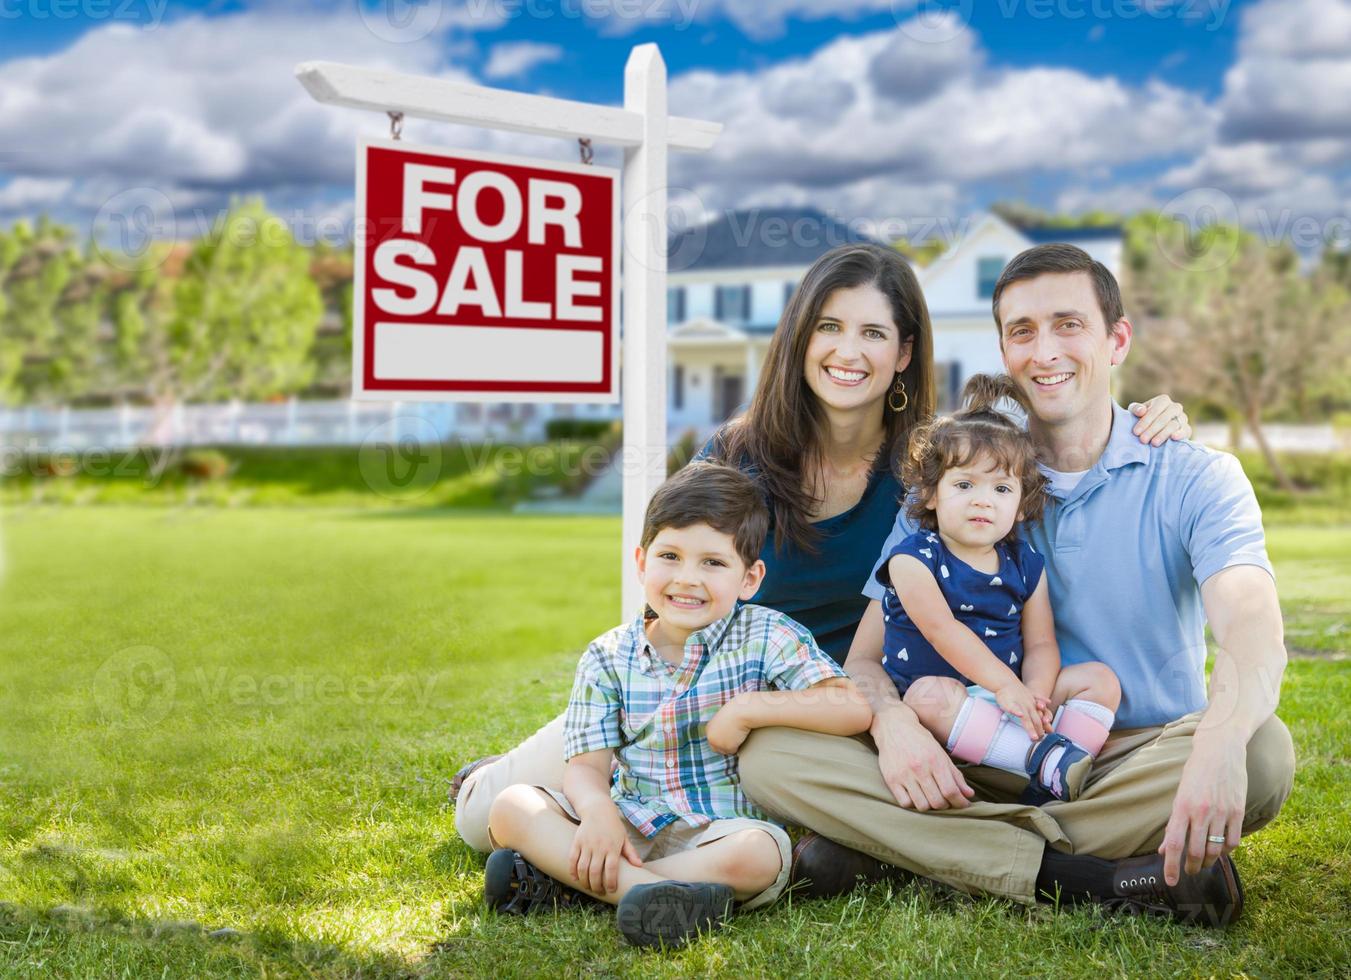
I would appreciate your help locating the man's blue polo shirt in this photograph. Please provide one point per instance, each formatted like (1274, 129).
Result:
(1126, 553)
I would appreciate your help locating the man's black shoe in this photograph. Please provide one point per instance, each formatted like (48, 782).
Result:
(824, 869)
(513, 885)
(1211, 897)
(465, 771)
(671, 913)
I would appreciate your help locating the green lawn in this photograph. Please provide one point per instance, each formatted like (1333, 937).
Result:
(246, 720)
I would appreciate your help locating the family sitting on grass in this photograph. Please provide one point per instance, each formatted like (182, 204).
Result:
(953, 745)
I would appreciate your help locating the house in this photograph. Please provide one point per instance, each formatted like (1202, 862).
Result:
(729, 281)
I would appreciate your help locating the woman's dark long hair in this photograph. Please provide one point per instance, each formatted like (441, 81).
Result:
(781, 436)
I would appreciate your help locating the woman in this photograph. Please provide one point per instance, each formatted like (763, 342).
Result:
(848, 373)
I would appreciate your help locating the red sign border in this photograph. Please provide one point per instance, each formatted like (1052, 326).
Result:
(478, 391)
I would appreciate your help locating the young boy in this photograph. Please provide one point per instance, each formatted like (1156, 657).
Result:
(671, 839)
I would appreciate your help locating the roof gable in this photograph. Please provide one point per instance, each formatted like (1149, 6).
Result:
(760, 238)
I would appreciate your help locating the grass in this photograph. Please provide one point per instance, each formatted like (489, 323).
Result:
(245, 720)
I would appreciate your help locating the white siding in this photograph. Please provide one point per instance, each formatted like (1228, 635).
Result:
(950, 282)
(766, 301)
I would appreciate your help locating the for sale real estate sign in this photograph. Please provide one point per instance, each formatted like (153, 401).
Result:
(481, 277)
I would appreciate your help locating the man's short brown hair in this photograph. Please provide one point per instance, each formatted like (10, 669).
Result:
(1059, 257)
(720, 496)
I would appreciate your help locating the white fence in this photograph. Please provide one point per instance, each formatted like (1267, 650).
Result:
(317, 423)
(289, 423)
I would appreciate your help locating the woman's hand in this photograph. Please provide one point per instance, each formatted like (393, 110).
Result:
(1018, 701)
(919, 773)
(601, 842)
(1161, 419)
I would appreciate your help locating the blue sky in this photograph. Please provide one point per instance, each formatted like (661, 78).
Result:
(893, 110)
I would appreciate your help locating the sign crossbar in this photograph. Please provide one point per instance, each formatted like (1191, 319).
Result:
(475, 105)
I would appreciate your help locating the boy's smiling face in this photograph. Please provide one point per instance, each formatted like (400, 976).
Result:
(692, 576)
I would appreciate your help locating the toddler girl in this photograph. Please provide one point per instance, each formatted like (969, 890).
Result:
(970, 641)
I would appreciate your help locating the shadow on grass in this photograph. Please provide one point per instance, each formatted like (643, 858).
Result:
(105, 942)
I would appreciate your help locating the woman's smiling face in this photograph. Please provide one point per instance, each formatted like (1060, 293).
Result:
(855, 349)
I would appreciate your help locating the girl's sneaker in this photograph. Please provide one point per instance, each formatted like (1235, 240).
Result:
(670, 913)
(1065, 780)
(513, 885)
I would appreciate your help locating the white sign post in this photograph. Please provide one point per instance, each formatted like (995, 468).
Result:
(645, 131)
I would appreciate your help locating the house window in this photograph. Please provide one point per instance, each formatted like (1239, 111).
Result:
(732, 304)
(675, 304)
(987, 274)
(678, 387)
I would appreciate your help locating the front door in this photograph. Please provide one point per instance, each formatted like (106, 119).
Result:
(729, 391)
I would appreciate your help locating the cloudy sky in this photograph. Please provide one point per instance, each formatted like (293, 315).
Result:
(917, 113)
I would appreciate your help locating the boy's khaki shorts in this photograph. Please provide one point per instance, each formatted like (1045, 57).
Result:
(679, 836)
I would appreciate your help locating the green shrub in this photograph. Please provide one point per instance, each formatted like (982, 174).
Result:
(205, 465)
(581, 429)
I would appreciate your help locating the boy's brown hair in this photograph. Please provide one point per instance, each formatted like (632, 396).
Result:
(979, 429)
(720, 496)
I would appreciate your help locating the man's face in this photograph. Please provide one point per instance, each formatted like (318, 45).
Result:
(1057, 348)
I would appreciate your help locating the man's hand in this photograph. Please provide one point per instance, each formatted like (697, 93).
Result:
(601, 842)
(919, 773)
(1018, 701)
(728, 728)
(1210, 802)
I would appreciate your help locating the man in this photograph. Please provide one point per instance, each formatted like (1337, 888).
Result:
(1143, 546)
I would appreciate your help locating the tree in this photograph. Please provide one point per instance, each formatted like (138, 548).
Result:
(1227, 320)
(52, 300)
(237, 321)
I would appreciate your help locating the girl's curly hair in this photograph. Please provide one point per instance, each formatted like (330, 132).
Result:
(978, 429)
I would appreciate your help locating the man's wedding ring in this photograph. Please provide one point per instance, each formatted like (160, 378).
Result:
(1216, 838)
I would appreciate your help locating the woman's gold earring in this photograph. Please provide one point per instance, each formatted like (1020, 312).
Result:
(898, 389)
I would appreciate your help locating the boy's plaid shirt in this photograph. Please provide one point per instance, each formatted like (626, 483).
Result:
(627, 698)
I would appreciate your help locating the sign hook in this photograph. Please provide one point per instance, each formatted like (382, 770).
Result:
(584, 149)
(395, 125)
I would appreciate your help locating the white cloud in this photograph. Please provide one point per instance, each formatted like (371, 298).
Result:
(28, 194)
(980, 124)
(198, 101)
(1292, 77)
(512, 58)
(1242, 168)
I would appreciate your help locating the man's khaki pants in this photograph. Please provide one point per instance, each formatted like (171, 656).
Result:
(832, 785)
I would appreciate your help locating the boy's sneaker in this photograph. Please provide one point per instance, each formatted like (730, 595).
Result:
(513, 885)
(670, 913)
(1066, 779)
